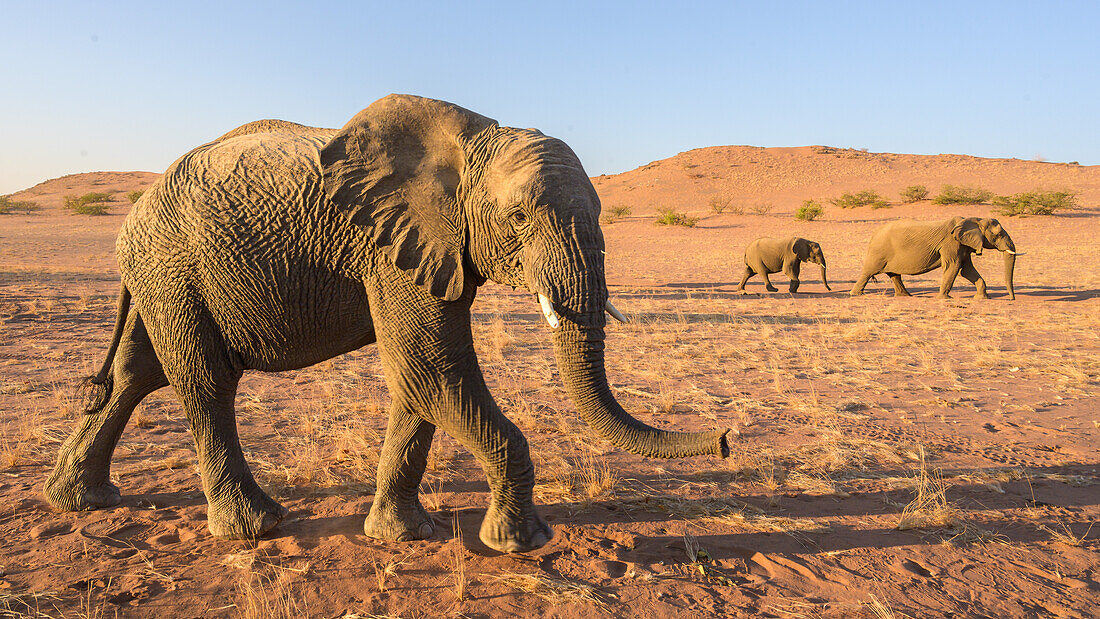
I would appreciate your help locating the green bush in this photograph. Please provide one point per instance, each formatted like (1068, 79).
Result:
(809, 211)
(672, 217)
(615, 213)
(914, 193)
(134, 196)
(965, 194)
(1034, 203)
(867, 197)
(89, 204)
(9, 206)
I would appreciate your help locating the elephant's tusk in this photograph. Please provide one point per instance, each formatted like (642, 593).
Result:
(548, 312)
(1016, 253)
(615, 313)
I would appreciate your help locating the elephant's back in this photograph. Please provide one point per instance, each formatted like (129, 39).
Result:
(242, 227)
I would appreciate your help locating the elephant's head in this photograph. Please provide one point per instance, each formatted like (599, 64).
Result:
(454, 199)
(810, 251)
(986, 233)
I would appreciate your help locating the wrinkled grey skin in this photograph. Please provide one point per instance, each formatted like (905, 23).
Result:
(279, 246)
(766, 255)
(909, 247)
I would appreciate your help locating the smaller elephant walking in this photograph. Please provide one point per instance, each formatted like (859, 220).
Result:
(767, 255)
(909, 247)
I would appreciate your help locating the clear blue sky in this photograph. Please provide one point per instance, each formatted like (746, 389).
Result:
(131, 86)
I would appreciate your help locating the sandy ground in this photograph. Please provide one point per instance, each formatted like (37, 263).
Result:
(895, 457)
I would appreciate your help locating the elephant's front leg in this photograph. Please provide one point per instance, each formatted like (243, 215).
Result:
(971, 274)
(428, 355)
(791, 270)
(397, 513)
(950, 272)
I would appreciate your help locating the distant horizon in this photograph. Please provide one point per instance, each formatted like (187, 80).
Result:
(133, 86)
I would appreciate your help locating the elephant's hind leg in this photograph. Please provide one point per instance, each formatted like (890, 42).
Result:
(899, 286)
(200, 367)
(396, 513)
(81, 477)
(745, 278)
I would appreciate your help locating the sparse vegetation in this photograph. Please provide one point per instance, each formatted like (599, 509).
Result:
(762, 208)
(866, 197)
(809, 211)
(9, 206)
(962, 194)
(914, 193)
(615, 213)
(671, 217)
(1036, 202)
(92, 203)
(719, 205)
(134, 196)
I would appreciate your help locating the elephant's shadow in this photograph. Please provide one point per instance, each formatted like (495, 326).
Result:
(568, 518)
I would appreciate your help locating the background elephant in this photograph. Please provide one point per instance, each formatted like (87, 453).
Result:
(909, 247)
(279, 246)
(767, 255)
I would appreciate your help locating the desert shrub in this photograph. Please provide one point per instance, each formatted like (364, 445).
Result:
(1034, 203)
(134, 196)
(615, 213)
(719, 205)
(92, 203)
(963, 194)
(809, 211)
(914, 193)
(672, 217)
(762, 208)
(867, 197)
(8, 206)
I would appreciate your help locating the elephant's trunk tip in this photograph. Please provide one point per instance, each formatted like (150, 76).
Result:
(723, 443)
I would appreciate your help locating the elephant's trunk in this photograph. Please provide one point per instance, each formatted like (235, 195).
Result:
(579, 351)
(825, 280)
(1010, 266)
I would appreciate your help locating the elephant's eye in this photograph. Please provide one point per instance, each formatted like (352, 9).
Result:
(519, 217)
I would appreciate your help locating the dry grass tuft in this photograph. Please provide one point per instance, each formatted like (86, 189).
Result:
(554, 590)
(263, 596)
(458, 560)
(930, 508)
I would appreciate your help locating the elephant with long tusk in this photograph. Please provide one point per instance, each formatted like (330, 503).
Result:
(909, 247)
(278, 246)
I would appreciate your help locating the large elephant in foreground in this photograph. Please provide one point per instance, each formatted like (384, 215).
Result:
(909, 247)
(279, 246)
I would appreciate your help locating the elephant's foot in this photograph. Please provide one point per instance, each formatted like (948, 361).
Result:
(400, 524)
(943, 295)
(855, 293)
(981, 295)
(521, 534)
(904, 293)
(78, 493)
(246, 516)
(771, 289)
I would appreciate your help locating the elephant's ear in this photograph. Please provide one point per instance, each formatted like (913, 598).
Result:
(968, 233)
(395, 169)
(801, 248)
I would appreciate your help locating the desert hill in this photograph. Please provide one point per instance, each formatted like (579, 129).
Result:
(784, 177)
(51, 194)
(747, 175)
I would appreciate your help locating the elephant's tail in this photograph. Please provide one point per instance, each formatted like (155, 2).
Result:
(96, 390)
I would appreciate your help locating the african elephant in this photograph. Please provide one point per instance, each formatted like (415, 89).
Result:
(279, 246)
(909, 247)
(766, 255)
